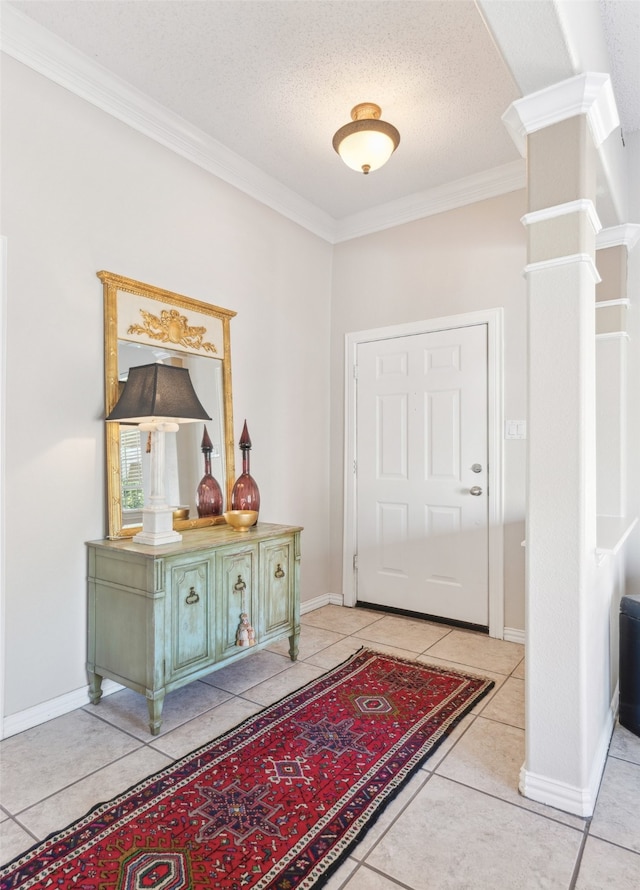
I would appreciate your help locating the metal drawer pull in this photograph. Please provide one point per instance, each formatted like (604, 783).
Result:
(239, 586)
(279, 572)
(192, 597)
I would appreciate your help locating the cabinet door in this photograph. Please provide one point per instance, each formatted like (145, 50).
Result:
(235, 584)
(277, 587)
(190, 600)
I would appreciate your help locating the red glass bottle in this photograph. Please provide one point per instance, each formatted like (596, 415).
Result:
(245, 494)
(209, 493)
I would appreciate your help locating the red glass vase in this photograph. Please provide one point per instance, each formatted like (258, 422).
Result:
(208, 493)
(245, 494)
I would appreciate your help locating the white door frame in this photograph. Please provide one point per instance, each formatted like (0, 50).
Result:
(493, 318)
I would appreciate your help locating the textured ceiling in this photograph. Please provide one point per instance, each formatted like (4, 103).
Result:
(621, 25)
(272, 80)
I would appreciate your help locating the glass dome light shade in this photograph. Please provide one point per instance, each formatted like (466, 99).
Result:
(366, 143)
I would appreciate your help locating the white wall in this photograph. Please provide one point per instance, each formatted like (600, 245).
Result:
(83, 192)
(461, 261)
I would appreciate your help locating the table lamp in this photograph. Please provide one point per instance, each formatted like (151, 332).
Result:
(158, 398)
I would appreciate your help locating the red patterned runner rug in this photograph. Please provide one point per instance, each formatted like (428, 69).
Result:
(277, 802)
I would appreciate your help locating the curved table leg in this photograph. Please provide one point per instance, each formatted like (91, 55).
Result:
(95, 687)
(294, 639)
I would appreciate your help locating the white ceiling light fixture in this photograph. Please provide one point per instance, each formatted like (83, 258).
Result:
(367, 142)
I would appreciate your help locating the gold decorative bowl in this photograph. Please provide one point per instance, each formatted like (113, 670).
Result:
(241, 520)
(181, 513)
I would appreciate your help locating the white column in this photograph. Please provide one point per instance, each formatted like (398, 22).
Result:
(612, 344)
(560, 128)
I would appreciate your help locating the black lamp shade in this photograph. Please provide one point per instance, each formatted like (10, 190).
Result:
(158, 393)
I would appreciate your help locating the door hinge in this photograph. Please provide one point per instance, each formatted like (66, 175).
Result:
(355, 372)
(355, 467)
(355, 562)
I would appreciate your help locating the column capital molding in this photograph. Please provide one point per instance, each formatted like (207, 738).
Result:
(614, 335)
(626, 235)
(623, 301)
(581, 205)
(590, 94)
(575, 259)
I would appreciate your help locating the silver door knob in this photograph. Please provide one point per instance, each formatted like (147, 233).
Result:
(476, 491)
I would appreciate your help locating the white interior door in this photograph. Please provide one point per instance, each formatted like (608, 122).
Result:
(422, 480)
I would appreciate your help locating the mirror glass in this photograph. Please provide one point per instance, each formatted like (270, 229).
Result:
(143, 325)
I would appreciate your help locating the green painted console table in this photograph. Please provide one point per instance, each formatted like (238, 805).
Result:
(161, 617)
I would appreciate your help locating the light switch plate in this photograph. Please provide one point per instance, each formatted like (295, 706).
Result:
(515, 429)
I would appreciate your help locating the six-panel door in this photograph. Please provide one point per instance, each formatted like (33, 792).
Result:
(422, 475)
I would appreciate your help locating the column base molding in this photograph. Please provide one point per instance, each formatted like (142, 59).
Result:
(571, 798)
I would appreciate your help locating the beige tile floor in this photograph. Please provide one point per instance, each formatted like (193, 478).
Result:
(459, 823)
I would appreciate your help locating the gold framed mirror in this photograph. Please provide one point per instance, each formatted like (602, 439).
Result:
(144, 324)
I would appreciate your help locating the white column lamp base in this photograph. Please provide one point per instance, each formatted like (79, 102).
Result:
(157, 527)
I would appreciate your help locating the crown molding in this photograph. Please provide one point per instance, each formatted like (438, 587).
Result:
(42, 51)
(590, 94)
(626, 235)
(487, 184)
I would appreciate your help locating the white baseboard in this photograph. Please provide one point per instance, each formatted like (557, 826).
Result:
(78, 698)
(70, 701)
(571, 799)
(327, 599)
(55, 707)
(552, 793)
